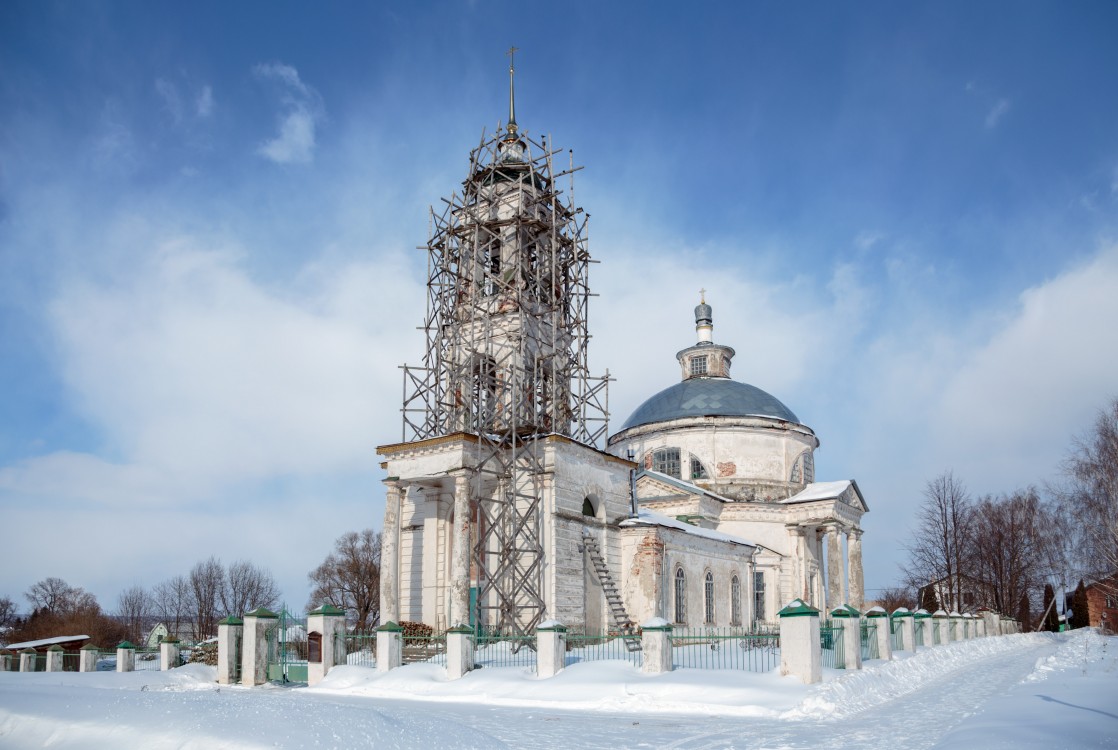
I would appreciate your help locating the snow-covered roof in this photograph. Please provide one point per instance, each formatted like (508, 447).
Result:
(683, 485)
(47, 641)
(820, 491)
(649, 518)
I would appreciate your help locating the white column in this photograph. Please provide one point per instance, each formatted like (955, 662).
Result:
(460, 559)
(459, 651)
(551, 648)
(125, 657)
(254, 646)
(169, 651)
(230, 635)
(88, 660)
(834, 569)
(855, 583)
(390, 646)
(390, 555)
(801, 653)
(54, 658)
(656, 646)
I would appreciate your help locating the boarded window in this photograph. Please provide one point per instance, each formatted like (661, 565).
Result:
(708, 598)
(680, 596)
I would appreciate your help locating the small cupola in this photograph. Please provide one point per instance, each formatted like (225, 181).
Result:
(705, 359)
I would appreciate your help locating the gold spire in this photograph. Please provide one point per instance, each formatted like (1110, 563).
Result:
(512, 93)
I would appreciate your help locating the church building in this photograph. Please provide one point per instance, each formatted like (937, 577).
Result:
(508, 503)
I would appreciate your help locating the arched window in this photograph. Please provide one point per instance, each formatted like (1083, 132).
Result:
(588, 508)
(698, 471)
(708, 598)
(758, 596)
(735, 600)
(680, 596)
(666, 461)
(803, 470)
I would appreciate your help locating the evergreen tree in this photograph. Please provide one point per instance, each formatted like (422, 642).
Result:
(1079, 615)
(1023, 611)
(928, 599)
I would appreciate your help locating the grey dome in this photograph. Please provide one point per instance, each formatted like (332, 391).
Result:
(709, 397)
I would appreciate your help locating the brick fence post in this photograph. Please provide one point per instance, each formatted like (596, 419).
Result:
(254, 646)
(459, 651)
(880, 618)
(169, 651)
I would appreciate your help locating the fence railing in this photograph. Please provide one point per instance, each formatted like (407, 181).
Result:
(146, 660)
(494, 649)
(599, 646)
(725, 648)
(425, 648)
(896, 635)
(918, 638)
(360, 649)
(830, 641)
(870, 649)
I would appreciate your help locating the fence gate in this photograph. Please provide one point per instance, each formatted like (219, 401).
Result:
(287, 648)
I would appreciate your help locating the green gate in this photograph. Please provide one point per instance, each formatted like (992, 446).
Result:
(831, 643)
(287, 648)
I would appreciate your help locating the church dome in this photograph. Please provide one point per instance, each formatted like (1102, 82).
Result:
(709, 397)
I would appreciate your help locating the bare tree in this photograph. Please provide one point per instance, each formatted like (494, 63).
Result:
(248, 587)
(893, 598)
(349, 578)
(1010, 547)
(1088, 499)
(173, 603)
(134, 607)
(55, 596)
(8, 615)
(940, 551)
(207, 579)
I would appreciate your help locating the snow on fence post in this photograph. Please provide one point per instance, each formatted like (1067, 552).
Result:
(880, 618)
(390, 646)
(324, 648)
(551, 648)
(851, 634)
(230, 636)
(169, 650)
(5, 660)
(125, 657)
(87, 662)
(254, 646)
(656, 646)
(907, 624)
(801, 652)
(54, 658)
(942, 623)
(27, 660)
(459, 651)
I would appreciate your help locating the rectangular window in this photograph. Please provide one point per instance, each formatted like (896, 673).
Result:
(699, 365)
(758, 597)
(735, 601)
(666, 461)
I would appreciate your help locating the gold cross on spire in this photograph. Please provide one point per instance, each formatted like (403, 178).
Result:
(512, 95)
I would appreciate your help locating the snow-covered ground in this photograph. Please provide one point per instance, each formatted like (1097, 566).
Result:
(1035, 690)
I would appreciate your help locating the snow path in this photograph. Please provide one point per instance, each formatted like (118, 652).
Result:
(919, 701)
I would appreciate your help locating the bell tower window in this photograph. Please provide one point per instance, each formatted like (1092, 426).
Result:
(700, 366)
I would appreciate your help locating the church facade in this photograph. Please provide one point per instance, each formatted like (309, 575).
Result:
(508, 504)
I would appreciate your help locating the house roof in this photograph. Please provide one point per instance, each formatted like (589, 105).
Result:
(650, 518)
(47, 641)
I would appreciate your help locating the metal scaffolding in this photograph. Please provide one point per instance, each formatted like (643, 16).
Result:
(506, 354)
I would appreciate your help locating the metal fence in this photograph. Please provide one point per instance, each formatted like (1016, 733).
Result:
(600, 646)
(830, 641)
(287, 648)
(146, 660)
(360, 649)
(896, 636)
(870, 649)
(494, 649)
(725, 648)
(425, 648)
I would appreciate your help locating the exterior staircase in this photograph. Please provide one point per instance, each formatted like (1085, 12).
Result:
(613, 597)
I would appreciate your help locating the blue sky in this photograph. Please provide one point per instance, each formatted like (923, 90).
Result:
(905, 215)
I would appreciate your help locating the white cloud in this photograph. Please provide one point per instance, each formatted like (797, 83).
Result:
(302, 111)
(169, 93)
(996, 113)
(204, 102)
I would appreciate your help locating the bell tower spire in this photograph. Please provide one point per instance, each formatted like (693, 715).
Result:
(704, 358)
(512, 91)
